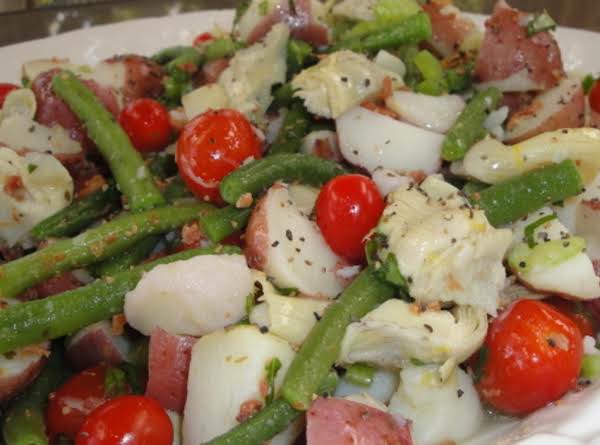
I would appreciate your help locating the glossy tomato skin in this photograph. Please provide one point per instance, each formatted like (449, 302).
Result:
(348, 207)
(213, 145)
(147, 124)
(532, 357)
(74, 400)
(203, 38)
(127, 420)
(577, 312)
(595, 97)
(6, 88)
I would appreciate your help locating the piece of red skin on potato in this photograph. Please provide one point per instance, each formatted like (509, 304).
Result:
(559, 107)
(168, 367)
(449, 29)
(18, 369)
(507, 50)
(335, 421)
(55, 285)
(143, 77)
(594, 119)
(97, 344)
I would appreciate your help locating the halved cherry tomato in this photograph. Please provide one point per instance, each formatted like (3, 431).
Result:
(348, 207)
(595, 97)
(202, 38)
(6, 88)
(577, 312)
(74, 400)
(531, 357)
(127, 420)
(213, 145)
(147, 124)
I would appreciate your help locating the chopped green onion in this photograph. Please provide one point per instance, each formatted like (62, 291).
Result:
(432, 87)
(360, 374)
(588, 83)
(590, 367)
(330, 383)
(541, 22)
(272, 369)
(115, 382)
(531, 228)
(250, 303)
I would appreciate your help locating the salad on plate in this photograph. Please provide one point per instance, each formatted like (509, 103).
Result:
(366, 222)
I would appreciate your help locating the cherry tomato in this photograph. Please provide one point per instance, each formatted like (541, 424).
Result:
(6, 88)
(577, 312)
(211, 146)
(74, 400)
(595, 97)
(147, 124)
(348, 207)
(202, 38)
(532, 357)
(127, 420)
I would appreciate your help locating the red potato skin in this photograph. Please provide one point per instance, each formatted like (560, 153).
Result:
(257, 235)
(342, 422)
(212, 70)
(506, 50)
(168, 368)
(56, 285)
(568, 115)
(12, 384)
(144, 77)
(93, 346)
(594, 119)
(449, 30)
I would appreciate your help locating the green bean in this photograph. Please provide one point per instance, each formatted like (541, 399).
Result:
(24, 421)
(176, 190)
(163, 166)
(185, 63)
(360, 374)
(131, 257)
(221, 223)
(219, 48)
(126, 164)
(270, 421)
(93, 246)
(468, 128)
(258, 176)
(299, 53)
(514, 198)
(53, 317)
(296, 125)
(168, 54)
(79, 215)
(412, 30)
(283, 96)
(322, 346)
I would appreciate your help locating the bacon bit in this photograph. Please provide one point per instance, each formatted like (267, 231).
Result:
(458, 59)
(322, 149)
(91, 185)
(381, 109)
(593, 203)
(118, 324)
(387, 88)
(415, 308)
(14, 187)
(191, 235)
(263, 388)
(436, 306)
(453, 284)
(244, 201)
(35, 350)
(111, 238)
(248, 409)
(418, 175)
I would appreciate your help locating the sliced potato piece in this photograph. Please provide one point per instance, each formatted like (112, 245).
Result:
(20, 368)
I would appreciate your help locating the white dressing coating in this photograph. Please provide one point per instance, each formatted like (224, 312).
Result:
(440, 410)
(339, 82)
(253, 71)
(191, 297)
(446, 250)
(33, 186)
(227, 370)
(394, 333)
(372, 140)
(434, 113)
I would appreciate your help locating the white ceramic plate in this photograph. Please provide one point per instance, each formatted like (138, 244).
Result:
(146, 36)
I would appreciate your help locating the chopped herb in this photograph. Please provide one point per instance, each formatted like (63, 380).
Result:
(416, 362)
(250, 303)
(115, 382)
(588, 83)
(272, 369)
(391, 272)
(31, 168)
(590, 367)
(540, 22)
(531, 228)
(481, 362)
(263, 7)
(360, 374)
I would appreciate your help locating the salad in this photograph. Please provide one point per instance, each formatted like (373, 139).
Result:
(343, 222)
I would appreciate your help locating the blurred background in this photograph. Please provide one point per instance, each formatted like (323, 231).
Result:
(22, 20)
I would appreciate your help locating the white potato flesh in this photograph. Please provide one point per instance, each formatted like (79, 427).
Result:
(394, 333)
(33, 68)
(21, 102)
(176, 420)
(253, 71)
(519, 82)
(212, 96)
(383, 387)
(390, 62)
(304, 197)
(227, 369)
(434, 113)
(285, 244)
(322, 143)
(44, 188)
(559, 107)
(440, 411)
(554, 264)
(355, 9)
(257, 13)
(372, 140)
(389, 180)
(447, 251)
(491, 161)
(581, 215)
(20, 368)
(191, 297)
(339, 82)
